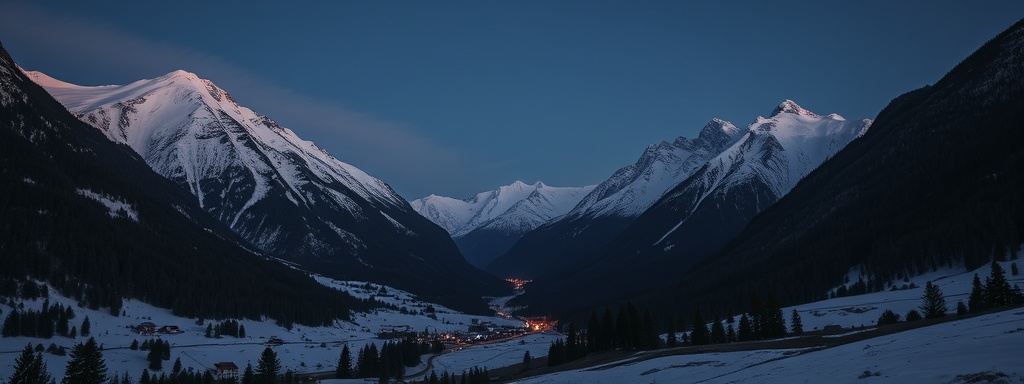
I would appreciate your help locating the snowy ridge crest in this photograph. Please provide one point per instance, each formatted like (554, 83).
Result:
(510, 208)
(230, 157)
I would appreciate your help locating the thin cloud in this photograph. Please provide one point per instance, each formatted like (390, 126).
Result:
(385, 149)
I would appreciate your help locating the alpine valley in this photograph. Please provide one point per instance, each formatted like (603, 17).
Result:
(796, 247)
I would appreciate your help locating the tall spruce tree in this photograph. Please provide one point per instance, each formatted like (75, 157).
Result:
(86, 327)
(86, 365)
(934, 303)
(344, 370)
(718, 332)
(29, 368)
(593, 332)
(757, 320)
(746, 330)
(976, 302)
(269, 367)
(248, 376)
(774, 321)
(670, 338)
(796, 325)
(997, 290)
(571, 343)
(699, 334)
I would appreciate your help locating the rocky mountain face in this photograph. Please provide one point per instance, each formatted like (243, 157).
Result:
(90, 218)
(712, 205)
(286, 196)
(613, 205)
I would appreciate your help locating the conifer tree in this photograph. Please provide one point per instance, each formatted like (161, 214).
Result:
(976, 302)
(608, 340)
(593, 332)
(746, 330)
(757, 320)
(934, 304)
(997, 289)
(248, 377)
(913, 315)
(718, 332)
(796, 325)
(571, 343)
(774, 321)
(29, 368)
(86, 327)
(344, 370)
(269, 367)
(86, 365)
(888, 317)
(699, 334)
(155, 356)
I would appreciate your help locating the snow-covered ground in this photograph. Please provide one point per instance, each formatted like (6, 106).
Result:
(953, 352)
(931, 354)
(306, 349)
(990, 344)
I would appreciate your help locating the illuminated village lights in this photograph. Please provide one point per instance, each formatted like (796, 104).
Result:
(518, 283)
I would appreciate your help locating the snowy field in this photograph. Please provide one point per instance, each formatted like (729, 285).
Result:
(306, 349)
(953, 352)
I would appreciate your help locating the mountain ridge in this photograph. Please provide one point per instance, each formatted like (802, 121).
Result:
(285, 195)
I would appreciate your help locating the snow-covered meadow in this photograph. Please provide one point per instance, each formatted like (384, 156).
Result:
(987, 346)
(305, 349)
(932, 354)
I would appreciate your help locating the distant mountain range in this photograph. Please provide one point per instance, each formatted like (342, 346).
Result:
(486, 225)
(284, 195)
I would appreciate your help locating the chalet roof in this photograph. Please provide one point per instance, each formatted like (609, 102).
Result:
(225, 365)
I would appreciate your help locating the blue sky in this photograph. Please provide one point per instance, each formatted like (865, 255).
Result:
(458, 97)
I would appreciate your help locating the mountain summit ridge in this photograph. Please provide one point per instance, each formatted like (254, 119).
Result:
(287, 196)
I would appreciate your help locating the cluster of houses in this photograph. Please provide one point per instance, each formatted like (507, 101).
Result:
(150, 329)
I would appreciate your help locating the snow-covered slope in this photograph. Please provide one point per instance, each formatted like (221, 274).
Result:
(487, 224)
(708, 208)
(543, 205)
(459, 217)
(614, 203)
(963, 351)
(764, 165)
(283, 194)
(632, 189)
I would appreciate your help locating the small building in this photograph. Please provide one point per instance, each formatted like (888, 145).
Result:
(146, 328)
(225, 370)
(170, 330)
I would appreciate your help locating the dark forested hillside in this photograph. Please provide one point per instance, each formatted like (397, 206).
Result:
(93, 220)
(936, 182)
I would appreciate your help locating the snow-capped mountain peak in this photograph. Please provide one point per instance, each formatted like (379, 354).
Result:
(461, 216)
(486, 225)
(789, 106)
(634, 188)
(235, 161)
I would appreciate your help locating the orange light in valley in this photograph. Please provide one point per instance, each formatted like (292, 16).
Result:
(540, 323)
(519, 283)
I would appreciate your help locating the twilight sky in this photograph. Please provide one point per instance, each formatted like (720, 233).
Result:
(458, 97)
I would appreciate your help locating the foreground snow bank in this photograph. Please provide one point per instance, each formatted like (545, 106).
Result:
(985, 347)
